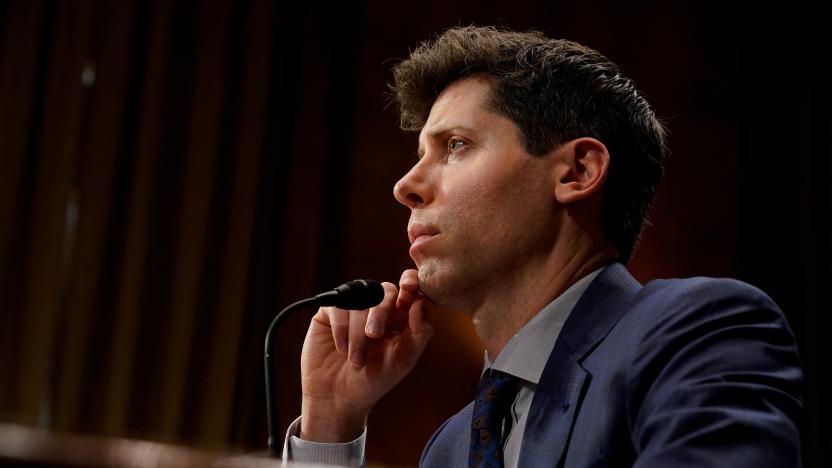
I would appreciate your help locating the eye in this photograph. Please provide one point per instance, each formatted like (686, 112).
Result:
(454, 144)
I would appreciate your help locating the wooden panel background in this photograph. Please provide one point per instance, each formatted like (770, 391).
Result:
(174, 172)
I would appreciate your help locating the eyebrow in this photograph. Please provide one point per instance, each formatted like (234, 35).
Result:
(437, 134)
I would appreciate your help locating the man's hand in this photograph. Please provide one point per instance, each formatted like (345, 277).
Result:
(351, 359)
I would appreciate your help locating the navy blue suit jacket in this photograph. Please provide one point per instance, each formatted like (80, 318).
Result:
(676, 373)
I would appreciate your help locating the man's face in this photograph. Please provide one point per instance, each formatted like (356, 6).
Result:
(482, 209)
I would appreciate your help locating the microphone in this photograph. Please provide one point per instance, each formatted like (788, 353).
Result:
(357, 294)
(353, 295)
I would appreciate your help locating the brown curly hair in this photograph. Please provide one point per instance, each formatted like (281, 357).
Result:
(554, 90)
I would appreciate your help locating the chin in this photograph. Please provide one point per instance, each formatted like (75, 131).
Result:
(430, 282)
(439, 285)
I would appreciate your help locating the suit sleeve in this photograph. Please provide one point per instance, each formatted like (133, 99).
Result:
(715, 380)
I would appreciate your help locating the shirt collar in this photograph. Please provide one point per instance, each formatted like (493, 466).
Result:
(526, 353)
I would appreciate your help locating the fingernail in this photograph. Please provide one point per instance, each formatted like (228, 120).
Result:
(374, 329)
(358, 358)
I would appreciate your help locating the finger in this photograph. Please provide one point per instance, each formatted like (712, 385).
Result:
(379, 315)
(408, 289)
(417, 336)
(419, 319)
(357, 337)
(339, 321)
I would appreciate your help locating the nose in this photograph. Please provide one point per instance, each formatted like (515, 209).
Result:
(414, 189)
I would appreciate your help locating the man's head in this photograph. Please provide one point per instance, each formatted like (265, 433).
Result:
(554, 91)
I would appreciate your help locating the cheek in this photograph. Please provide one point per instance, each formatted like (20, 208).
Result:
(519, 216)
(473, 204)
(495, 204)
(492, 211)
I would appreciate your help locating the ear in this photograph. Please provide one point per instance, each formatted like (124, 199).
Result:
(580, 169)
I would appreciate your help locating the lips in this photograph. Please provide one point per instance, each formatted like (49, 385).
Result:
(420, 235)
(417, 233)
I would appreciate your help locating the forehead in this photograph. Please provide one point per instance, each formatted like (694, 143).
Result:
(462, 104)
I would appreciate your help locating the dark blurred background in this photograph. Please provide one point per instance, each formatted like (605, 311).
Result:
(172, 173)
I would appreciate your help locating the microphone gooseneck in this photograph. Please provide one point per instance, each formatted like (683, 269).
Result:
(353, 295)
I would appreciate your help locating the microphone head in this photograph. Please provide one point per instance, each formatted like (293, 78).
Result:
(357, 294)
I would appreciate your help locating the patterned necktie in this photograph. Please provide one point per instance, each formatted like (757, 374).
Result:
(495, 393)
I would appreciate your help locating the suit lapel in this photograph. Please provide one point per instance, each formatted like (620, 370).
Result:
(560, 391)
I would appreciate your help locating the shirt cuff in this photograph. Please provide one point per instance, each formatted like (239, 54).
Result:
(297, 450)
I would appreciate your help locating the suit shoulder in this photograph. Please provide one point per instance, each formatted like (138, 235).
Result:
(703, 287)
(672, 296)
(717, 355)
(683, 310)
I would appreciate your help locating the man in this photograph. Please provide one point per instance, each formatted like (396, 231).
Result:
(538, 162)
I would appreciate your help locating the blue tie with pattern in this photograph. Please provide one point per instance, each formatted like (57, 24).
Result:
(495, 394)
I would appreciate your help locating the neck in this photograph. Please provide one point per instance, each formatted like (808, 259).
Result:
(506, 308)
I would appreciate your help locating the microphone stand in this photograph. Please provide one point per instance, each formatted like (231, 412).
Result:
(271, 411)
(352, 295)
